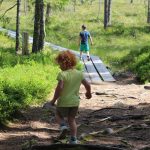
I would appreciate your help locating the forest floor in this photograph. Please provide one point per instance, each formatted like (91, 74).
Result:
(118, 114)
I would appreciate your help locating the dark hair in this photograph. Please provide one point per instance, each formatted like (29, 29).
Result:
(66, 60)
(83, 27)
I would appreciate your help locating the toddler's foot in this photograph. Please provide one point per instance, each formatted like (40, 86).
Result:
(63, 132)
(88, 58)
(73, 140)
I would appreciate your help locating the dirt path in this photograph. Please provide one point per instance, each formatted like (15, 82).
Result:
(122, 99)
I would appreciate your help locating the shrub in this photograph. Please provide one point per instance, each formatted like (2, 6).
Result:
(25, 85)
(138, 61)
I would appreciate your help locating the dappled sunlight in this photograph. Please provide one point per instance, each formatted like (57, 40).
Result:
(118, 114)
(43, 125)
(109, 94)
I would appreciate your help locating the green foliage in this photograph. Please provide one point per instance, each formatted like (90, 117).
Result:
(24, 85)
(119, 29)
(59, 4)
(129, 30)
(5, 21)
(24, 80)
(138, 61)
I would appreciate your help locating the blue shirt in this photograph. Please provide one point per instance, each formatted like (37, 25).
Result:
(84, 36)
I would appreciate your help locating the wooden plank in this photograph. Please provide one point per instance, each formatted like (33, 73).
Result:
(94, 76)
(101, 69)
(86, 75)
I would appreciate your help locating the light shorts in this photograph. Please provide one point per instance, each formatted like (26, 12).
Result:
(84, 47)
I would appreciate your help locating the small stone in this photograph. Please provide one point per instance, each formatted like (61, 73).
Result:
(108, 131)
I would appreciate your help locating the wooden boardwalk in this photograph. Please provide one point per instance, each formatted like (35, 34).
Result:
(95, 70)
(92, 72)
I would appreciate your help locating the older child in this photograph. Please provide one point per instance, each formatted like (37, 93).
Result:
(83, 42)
(67, 93)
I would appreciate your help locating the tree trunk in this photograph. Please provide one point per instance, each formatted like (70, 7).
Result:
(109, 12)
(105, 14)
(39, 27)
(148, 13)
(42, 26)
(36, 27)
(48, 12)
(25, 7)
(99, 9)
(25, 38)
(18, 24)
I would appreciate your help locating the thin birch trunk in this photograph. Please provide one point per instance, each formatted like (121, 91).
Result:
(18, 24)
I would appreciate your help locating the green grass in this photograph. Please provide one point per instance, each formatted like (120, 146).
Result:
(128, 29)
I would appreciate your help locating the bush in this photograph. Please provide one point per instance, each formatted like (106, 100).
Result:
(138, 61)
(25, 85)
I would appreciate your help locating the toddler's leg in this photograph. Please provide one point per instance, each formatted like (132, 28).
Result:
(63, 128)
(73, 130)
(80, 55)
(59, 118)
(88, 55)
(73, 126)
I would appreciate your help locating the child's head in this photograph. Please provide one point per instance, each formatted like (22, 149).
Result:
(83, 27)
(66, 60)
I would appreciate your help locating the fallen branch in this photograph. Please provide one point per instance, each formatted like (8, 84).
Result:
(122, 129)
(127, 143)
(106, 109)
(126, 117)
(109, 131)
(117, 118)
(147, 87)
(115, 95)
(77, 146)
(101, 120)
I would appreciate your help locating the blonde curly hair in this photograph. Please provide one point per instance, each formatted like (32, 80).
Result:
(66, 60)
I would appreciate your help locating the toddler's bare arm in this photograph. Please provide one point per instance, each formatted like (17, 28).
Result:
(57, 91)
(88, 89)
